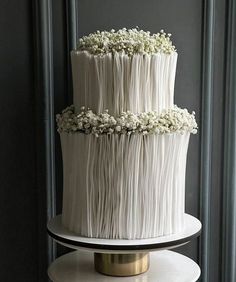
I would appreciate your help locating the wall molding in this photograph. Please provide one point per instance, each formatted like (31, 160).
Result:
(229, 176)
(206, 133)
(72, 34)
(72, 24)
(45, 108)
(43, 29)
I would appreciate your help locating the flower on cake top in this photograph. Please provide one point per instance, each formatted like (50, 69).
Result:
(173, 120)
(129, 41)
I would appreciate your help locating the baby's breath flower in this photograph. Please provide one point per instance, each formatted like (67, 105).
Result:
(118, 128)
(129, 41)
(173, 120)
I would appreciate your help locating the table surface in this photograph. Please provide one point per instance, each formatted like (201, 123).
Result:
(165, 266)
(65, 237)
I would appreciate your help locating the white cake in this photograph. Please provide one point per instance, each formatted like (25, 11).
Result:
(124, 153)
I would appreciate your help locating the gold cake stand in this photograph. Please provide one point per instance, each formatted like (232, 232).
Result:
(121, 264)
(122, 258)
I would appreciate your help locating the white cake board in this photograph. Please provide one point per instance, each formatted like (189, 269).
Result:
(69, 239)
(165, 266)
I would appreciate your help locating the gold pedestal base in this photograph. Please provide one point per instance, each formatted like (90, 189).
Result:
(121, 264)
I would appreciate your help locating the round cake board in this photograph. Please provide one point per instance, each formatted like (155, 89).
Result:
(165, 266)
(69, 239)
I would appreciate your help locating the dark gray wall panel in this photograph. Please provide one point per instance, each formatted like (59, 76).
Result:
(44, 111)
(61, 97)
(229, 177)
(206, 133)
(18, 193)
(217, 146)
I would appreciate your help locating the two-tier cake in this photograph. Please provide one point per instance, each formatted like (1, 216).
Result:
(124, 142)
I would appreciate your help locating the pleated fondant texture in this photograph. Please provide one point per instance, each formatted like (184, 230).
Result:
(121, 186)
(119, 83)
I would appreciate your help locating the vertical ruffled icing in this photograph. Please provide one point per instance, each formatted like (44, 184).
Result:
(121, 186)
(120, 83)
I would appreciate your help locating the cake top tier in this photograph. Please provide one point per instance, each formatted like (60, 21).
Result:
(129, 41)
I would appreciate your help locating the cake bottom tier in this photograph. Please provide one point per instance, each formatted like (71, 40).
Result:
(124, 187)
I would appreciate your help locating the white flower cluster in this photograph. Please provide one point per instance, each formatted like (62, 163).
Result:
(129, 41)
(174, 120)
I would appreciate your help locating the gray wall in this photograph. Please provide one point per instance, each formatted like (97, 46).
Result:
(35, 80)
(19, 205)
